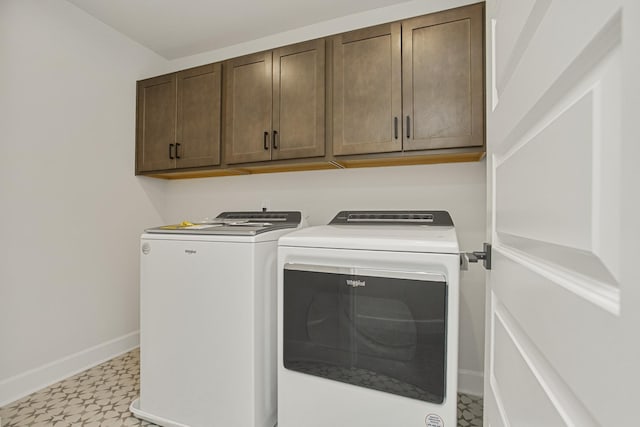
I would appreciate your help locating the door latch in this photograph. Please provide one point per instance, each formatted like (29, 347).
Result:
(475, 256)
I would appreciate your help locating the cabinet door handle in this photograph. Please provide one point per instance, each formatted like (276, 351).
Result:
(408, 127)
(177, 146)
(171, 151)
(395, 127)
(266, 140)
(275, 141)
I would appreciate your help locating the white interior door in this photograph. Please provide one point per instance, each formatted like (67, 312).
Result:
(563, 299)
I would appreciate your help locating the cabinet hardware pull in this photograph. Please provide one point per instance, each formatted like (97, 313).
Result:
(395, 127)
(275, 141)
(266, 140)
(171, 151)
(408, 127)
(177, 146)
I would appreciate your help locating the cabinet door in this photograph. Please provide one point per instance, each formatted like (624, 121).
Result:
(198, 132)
(367, 91)
(298, 101)
(156, 123)
(248, 96)
(443, 92)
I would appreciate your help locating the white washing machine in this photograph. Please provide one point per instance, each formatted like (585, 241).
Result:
(368, 321)
(208, 321)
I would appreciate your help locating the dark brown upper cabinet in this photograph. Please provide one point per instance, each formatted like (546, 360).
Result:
(156, 123)
(275, 104)
(443, 79)
(178, 123)
(401, 93)
(426, 93)
(367, 89)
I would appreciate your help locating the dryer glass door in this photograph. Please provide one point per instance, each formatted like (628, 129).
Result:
(379, 329)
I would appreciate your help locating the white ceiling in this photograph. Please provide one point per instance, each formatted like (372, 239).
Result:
(178, 28)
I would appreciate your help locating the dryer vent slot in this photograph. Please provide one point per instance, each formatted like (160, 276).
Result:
(417, 218)
(390, 218)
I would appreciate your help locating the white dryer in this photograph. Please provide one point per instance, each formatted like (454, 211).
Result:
(368, 321)
(208, 321)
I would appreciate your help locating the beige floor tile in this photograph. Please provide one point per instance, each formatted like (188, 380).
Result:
(101, 396)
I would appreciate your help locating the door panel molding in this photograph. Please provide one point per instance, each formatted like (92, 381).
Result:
(570, 410)
(515, 374)
(572, 334)
(598, 287)
(583, 64)
(588, 197)
(532, 197)
(515, 47)
(578, 77)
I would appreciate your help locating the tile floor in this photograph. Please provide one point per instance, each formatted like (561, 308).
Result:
(101, 397)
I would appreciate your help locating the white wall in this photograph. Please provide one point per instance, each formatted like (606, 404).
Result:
(71, 210)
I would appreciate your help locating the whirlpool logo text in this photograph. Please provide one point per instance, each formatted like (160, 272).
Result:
(355, 283)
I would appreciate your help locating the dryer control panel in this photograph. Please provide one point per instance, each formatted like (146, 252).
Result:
(435, 218)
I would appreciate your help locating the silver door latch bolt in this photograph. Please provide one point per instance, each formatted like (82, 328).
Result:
(475, 256)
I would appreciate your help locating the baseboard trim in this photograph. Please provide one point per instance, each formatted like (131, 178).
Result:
(18, 386)
(470, 382)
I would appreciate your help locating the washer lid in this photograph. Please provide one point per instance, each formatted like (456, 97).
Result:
(395, 238)
(235, 224)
